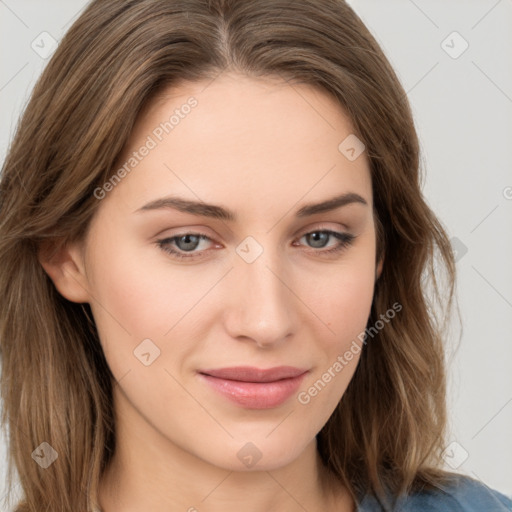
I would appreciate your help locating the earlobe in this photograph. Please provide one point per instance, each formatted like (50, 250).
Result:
(64, 265)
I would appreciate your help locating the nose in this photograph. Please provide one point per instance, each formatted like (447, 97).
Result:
(261, 302)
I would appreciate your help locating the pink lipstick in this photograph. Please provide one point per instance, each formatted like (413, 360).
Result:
(255, 388)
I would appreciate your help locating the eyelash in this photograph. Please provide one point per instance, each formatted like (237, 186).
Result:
(345, 240)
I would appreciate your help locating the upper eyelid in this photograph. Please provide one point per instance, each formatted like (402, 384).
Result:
(323, 227)
(318, 227)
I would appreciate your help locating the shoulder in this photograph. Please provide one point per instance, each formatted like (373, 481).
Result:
(464, 495)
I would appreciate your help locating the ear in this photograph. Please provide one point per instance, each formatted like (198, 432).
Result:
(64, 264)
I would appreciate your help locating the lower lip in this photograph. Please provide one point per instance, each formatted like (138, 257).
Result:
(255, 395)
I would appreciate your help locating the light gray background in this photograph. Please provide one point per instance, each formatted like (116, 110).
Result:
(463, 113)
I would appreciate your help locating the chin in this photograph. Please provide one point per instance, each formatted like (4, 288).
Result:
(258, 453)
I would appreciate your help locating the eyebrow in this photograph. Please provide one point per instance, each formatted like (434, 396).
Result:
(219, 212)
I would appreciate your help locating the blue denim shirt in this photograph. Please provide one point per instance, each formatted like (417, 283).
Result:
(467, 495)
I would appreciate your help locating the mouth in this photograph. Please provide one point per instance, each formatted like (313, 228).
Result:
(255, 388)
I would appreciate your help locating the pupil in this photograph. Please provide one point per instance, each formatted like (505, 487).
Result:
(317, 236)
(187, 239)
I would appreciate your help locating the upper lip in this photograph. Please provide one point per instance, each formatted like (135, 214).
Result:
(252, 374)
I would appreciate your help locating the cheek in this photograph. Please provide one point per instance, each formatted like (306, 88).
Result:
(125, 300)
(342, 297)
(143, 302)
(140, 296)
(339, 351)
(343, 303)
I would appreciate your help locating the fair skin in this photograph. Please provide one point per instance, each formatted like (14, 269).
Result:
(262, 149)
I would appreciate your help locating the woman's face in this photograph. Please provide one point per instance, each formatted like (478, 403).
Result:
(264, 286)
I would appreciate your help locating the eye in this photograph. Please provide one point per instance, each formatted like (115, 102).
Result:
(319, 239)
(185, 245)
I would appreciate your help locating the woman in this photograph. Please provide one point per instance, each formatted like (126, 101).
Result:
(215, 246)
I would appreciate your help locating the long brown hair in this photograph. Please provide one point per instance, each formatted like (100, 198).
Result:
(387, 433)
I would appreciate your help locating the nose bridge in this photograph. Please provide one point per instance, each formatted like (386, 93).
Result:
(261, 304)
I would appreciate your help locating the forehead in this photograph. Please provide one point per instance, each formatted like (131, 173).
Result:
(242, 142)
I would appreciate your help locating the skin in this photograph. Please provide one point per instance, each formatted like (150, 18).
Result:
(262, 148)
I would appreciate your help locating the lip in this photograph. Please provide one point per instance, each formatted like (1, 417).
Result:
(255, 388)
